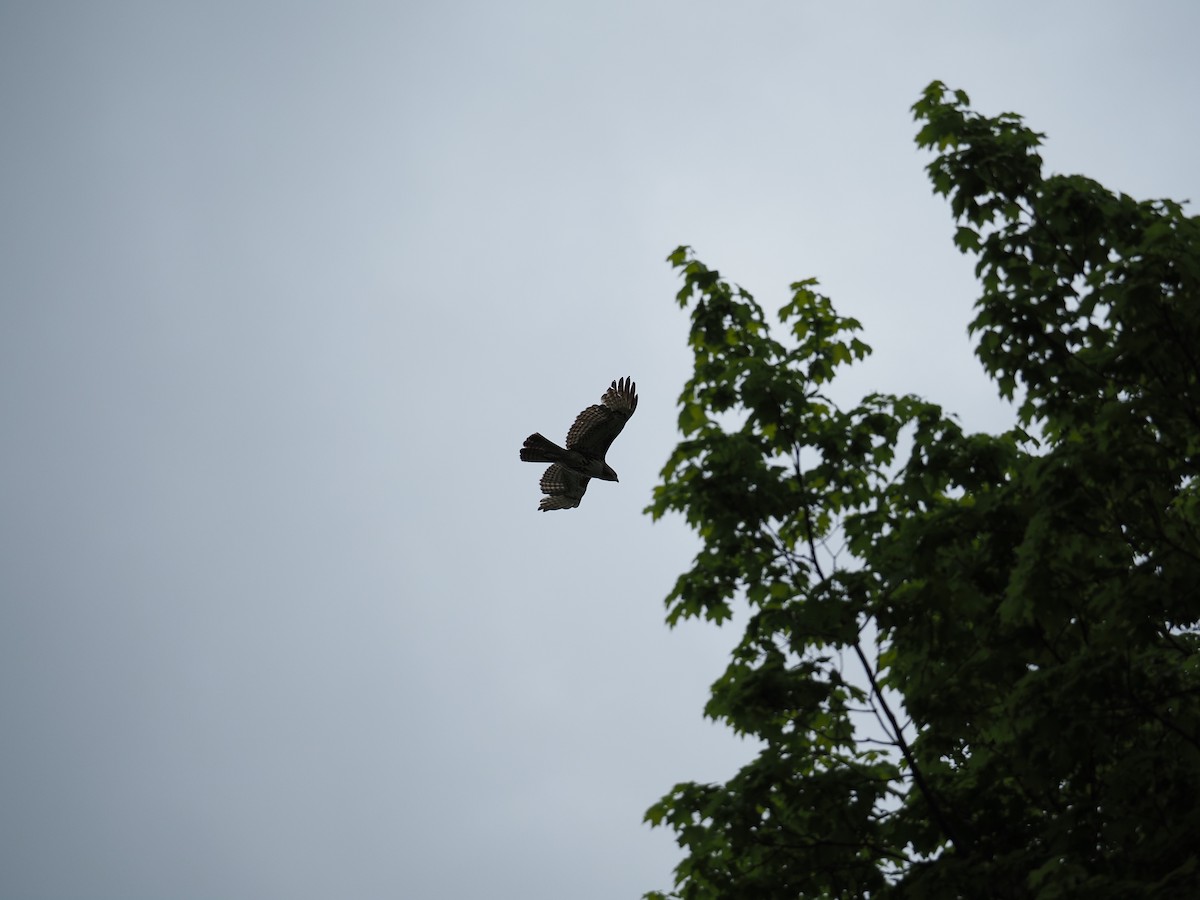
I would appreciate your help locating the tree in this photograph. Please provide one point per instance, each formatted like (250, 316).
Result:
(1016, 612)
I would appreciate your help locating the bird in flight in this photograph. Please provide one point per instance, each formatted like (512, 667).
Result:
(587, 442)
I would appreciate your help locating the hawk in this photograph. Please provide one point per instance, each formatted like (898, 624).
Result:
(587, 442)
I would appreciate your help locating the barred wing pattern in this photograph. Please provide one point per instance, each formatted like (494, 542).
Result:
(598, 426)
(563, 487)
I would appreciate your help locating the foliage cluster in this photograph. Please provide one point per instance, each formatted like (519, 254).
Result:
(1018, 612)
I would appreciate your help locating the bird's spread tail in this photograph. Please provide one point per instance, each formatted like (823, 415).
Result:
(540, 449)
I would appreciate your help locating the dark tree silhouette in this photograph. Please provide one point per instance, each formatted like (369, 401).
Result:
(1017, 612)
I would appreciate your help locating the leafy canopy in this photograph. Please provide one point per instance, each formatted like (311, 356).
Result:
(971, 661)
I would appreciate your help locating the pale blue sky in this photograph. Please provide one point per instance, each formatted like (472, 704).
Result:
(283, 286)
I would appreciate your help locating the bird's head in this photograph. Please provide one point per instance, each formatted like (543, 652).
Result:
(608, 474)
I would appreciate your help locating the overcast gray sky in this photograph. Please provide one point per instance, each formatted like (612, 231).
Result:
(283, 286)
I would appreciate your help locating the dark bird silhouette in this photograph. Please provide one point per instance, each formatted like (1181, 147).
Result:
(588, 440)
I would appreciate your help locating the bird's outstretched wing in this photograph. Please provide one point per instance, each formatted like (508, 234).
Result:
(597, 426)
(564, 488)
